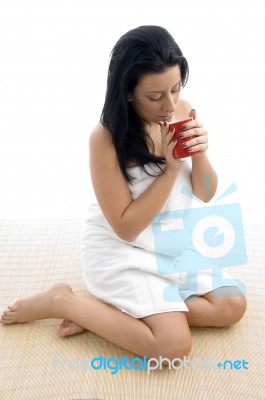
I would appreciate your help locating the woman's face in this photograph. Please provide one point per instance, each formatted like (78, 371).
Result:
(156, 95)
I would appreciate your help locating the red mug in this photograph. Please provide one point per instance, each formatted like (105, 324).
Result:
(178, 151)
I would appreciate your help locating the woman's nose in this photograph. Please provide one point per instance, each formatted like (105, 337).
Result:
(169, 104)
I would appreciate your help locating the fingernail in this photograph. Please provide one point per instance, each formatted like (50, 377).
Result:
(183, 127)
(193, 113)
(184, 145)
(181, 136)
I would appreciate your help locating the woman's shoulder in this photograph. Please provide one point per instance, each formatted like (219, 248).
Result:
(183, 109)
(100, 140)
(101, 146)
(100, 134)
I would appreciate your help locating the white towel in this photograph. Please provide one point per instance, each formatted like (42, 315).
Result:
(127, 275)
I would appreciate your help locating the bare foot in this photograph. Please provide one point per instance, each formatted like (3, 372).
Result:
(68, 328)
(39, 306)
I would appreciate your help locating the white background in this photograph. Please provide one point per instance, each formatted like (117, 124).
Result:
(54, 56)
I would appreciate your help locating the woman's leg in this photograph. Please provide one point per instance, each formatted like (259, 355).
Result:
(221, 307)
(165, 334)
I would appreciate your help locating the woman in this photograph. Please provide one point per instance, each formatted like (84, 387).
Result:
(135, 177)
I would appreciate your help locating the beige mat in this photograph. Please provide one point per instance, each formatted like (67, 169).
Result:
(36, 364)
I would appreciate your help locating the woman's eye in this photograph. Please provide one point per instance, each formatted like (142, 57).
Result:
(177, 89)
(172, 91)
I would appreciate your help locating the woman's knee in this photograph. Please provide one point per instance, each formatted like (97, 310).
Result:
(171, 335)
(231, 309)
(238, 306)
(172, 343)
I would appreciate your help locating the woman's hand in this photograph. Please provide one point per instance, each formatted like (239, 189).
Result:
(168, 144)
(195, 128)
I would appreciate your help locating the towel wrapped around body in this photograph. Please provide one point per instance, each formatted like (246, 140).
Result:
(149, 275)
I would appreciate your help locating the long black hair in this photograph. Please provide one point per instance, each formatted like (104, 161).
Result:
(142, 50)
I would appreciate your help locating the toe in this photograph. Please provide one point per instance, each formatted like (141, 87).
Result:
(61, 332)
(6, 322)
(63, 324)
(8, 313)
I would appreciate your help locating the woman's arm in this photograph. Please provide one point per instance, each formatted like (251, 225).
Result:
(203, 177)
(128, 217)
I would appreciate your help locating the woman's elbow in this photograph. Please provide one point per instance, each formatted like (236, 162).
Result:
(204, 196)
(207, 190)
(126, 237)
(125, 234)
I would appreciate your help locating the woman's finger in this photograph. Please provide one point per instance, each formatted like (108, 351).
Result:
(196, 140)
(166, 132)
(198, 147)
(194, 132)
(192, 113)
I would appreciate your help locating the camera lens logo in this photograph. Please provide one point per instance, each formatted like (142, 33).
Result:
(216, 232)
(214, 236)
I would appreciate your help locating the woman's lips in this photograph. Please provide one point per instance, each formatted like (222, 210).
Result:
(166, 118)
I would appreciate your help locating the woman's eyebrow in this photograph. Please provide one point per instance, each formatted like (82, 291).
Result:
(160, 91)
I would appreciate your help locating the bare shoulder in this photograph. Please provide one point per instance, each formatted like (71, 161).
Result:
(110, 186)
(99, 136)
(101, 148)
(183, 108)
(102, 154)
